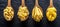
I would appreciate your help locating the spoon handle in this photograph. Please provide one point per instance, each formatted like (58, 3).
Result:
(23, 3)
(51, 2)
(36, 2)
(9, 3)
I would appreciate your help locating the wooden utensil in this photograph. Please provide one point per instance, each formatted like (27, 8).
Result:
(51, 12)
(8, 12)
(23, 12)
(37, 12)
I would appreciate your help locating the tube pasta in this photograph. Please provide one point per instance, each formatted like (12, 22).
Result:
(37, 14)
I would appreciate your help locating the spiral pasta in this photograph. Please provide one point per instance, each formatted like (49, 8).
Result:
(51, 13)
(8, 13)
(23, 13)
(37, 14)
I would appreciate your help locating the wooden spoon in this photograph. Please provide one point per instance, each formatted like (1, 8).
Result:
(51, 12)
(37, 12)
(8, 12)
(23, 12)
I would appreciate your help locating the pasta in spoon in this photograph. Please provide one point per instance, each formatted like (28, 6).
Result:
(8, 12)
(37, 12)
(51, 12)
(23, 12)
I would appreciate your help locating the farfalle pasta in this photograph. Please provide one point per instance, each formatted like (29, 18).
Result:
(23, 13)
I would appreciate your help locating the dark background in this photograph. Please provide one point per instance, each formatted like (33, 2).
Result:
(30, 22)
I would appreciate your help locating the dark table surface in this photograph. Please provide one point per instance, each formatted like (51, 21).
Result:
(30, 22)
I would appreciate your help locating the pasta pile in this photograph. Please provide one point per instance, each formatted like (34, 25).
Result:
(37, 14)
(23, 13)
(51, 13)
(8, 13)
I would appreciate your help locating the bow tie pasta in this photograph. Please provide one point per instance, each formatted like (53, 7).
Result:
(23, 13)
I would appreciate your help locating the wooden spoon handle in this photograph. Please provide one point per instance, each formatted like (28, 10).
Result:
(36, 2)
(23, 3)
(51, 2)
(9, 3)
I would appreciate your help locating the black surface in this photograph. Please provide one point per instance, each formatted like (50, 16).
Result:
(30, 22)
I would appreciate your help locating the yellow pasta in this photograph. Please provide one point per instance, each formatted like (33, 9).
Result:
(8, 13)
(23, 13)
(51, 13)
(37, 14)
